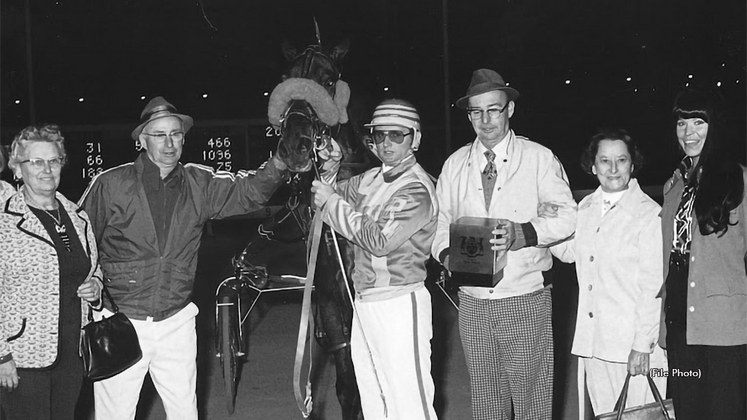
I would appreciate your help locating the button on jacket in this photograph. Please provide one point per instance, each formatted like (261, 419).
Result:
(144, 281)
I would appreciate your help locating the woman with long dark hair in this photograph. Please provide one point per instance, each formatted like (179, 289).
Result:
(704, 230)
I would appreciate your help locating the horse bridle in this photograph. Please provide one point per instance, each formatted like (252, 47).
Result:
(309, 53)
(321, 132)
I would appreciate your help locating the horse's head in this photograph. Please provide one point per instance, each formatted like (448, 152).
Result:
(302, 133)
(307, 121)
(321, 65)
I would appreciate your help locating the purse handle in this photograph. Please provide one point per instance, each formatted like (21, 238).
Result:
(620, 404)
(106, 294)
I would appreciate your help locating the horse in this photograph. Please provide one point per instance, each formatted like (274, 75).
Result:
(302, 132)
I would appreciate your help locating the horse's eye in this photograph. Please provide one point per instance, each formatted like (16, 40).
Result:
(330, 83)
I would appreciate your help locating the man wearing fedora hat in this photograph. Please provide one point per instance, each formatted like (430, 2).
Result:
(148, 218)
(506, 330)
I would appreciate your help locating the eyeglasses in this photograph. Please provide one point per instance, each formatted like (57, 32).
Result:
(475, 114)
(161, 137)
(395, 136)
(38, 163)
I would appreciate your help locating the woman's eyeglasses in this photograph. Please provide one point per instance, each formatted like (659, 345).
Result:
(395, 136)
(39, 163)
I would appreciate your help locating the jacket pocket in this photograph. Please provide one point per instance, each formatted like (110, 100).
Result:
(123, 277)
(731, 285)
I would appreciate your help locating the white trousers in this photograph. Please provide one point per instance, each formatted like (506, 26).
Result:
(604, 381)
(398, 334)
(170, 355)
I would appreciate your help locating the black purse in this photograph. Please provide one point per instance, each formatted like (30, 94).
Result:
(109, 346)
(660, 409)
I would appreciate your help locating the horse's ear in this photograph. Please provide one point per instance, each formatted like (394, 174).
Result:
(340, 50)
(289, 51)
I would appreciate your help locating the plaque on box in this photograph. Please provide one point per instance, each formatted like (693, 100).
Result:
(471, 261)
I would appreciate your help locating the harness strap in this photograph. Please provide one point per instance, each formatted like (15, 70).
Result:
(305, 404)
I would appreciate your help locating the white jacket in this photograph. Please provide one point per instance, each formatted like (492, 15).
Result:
(530, 175)
(619, 265)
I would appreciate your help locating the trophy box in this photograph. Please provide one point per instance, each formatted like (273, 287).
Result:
(471, 261)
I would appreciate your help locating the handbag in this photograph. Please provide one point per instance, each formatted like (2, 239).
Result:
(109, 346)
(658, 410)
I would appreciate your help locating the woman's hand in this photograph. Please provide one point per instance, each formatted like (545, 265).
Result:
(638, 363)
(90, 290)
(321, 192)
(8, 376)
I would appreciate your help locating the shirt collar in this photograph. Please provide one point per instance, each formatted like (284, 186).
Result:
(152, 174)
(392, 173)
(500, 149)
(626, 201)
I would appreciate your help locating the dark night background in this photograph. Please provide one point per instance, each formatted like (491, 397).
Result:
(111, 53)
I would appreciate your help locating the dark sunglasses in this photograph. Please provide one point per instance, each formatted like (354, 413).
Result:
(395, 136)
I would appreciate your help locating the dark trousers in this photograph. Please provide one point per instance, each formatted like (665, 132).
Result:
(50, 394)
(705, 382)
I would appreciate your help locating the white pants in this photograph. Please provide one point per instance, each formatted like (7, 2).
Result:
(398, 332)
(170, 355)
(604, 381)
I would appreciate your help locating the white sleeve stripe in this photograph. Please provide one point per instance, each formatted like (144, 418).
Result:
(90, 184)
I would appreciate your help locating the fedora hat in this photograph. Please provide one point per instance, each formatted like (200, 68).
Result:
(160, 108)
(483, 81)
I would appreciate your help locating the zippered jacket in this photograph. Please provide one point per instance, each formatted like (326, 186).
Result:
(143, 281)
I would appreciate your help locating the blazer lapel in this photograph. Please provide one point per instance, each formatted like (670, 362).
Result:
(28, 222)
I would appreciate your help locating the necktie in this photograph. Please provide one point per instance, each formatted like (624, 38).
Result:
(488, 178)
(490, 172)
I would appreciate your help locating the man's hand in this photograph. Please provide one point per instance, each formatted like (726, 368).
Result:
(90, 290)
(331, 155)
(321, 192)
(279, 163)
(9, 376)
(638, 363)
(504, 235)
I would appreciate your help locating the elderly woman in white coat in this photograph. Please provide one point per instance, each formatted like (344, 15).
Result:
(617, 251)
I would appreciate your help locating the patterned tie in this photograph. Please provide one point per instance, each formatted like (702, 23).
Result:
(683, 219)
(490, 172)
(488, 178)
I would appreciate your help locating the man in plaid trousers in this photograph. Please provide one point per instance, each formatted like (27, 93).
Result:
(506, 330)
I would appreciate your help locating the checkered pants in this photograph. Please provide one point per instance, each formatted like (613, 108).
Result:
(508, 345)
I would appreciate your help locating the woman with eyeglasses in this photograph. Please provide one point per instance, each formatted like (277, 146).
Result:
(49, 275)
(704, 226)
